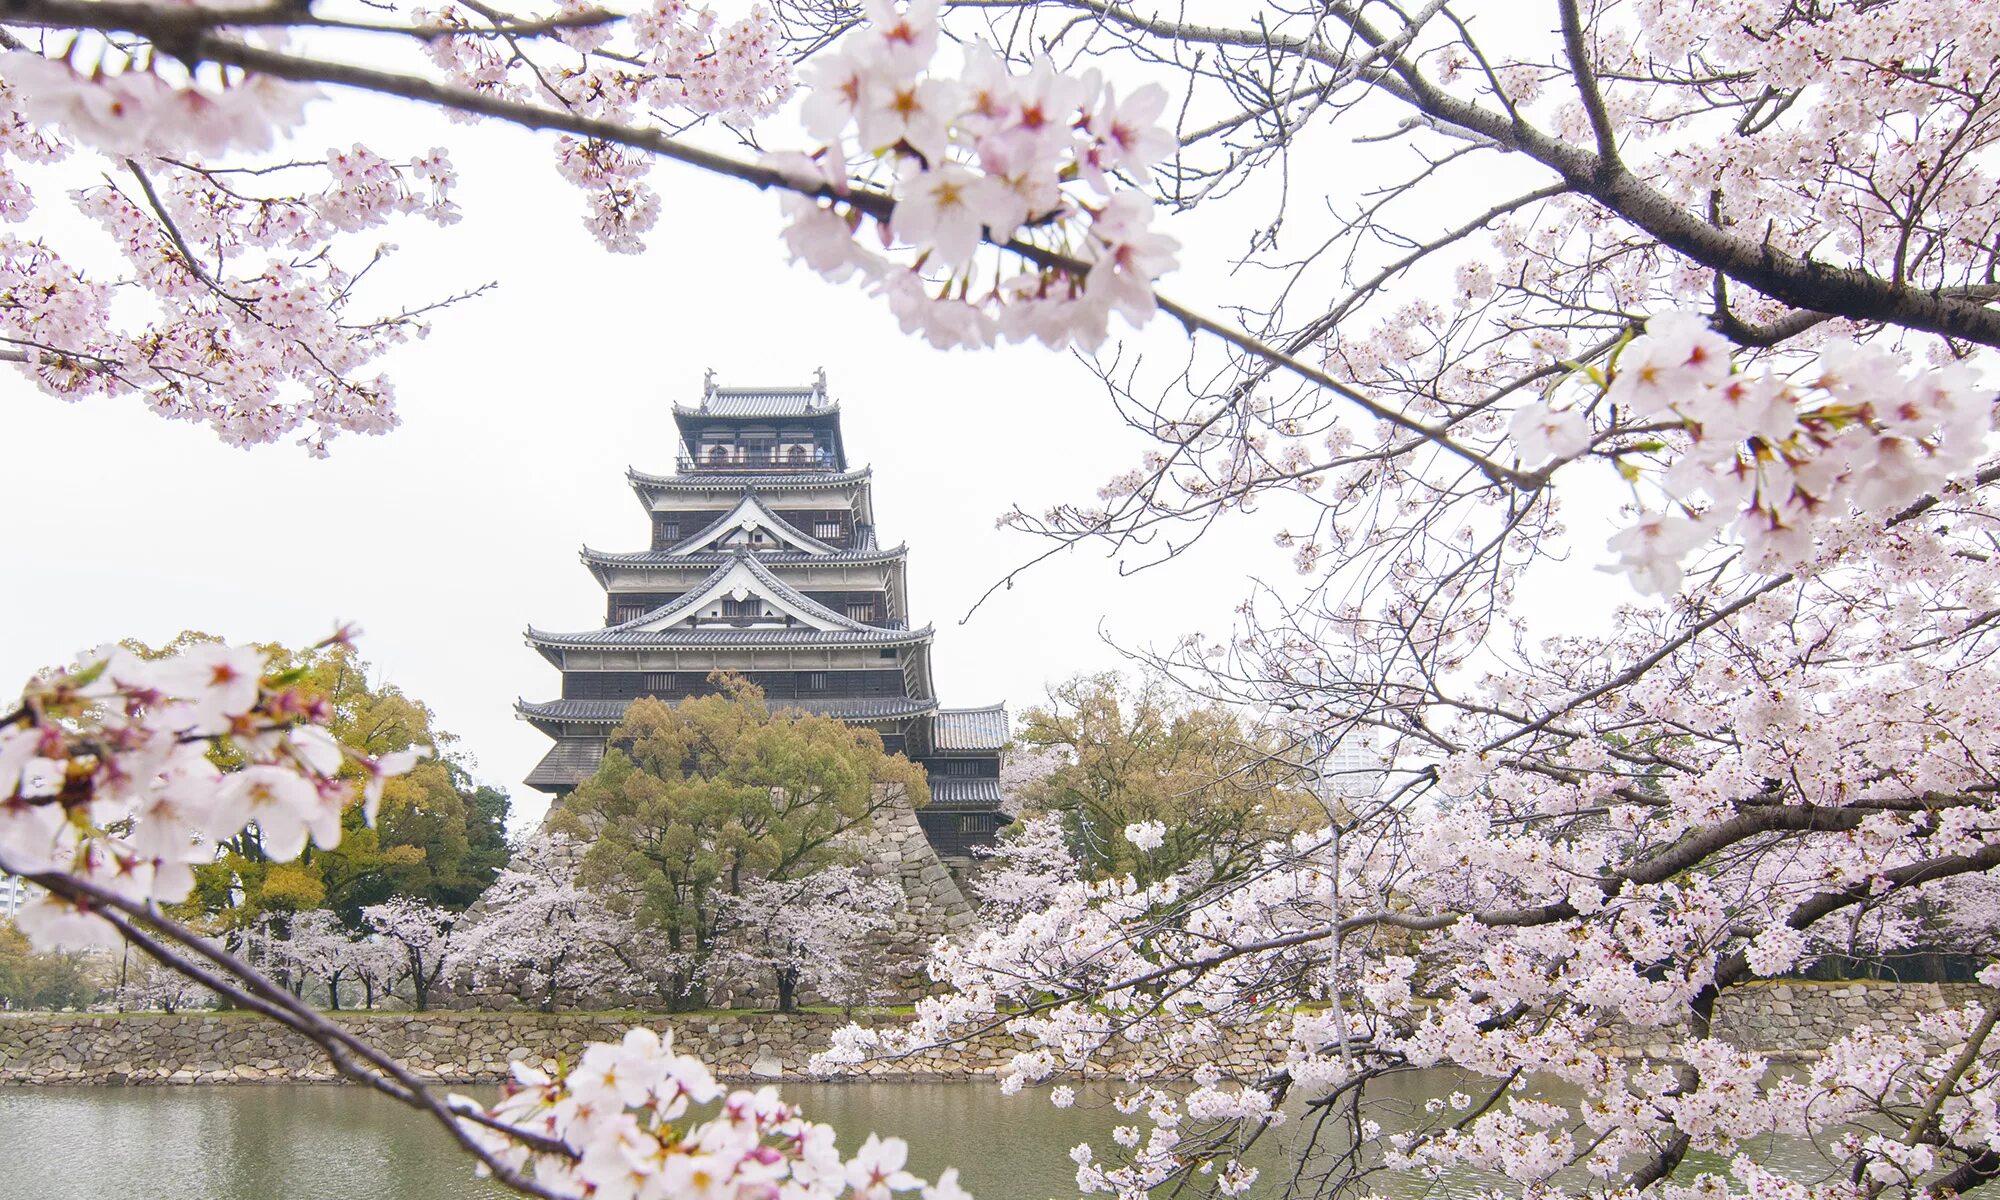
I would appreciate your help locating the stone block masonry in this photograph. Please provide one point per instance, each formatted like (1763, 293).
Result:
(1783, 1020)
(455, 1047)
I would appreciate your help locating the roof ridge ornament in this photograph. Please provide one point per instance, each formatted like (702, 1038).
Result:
(707, 386)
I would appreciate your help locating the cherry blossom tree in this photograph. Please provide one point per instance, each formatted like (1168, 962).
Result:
(538, 922)
(156, 987)
(374, 965)
(816, 933)
(425, 933)
(1018, 874)
(317, 947)
(1020, 769)
(1728, 266)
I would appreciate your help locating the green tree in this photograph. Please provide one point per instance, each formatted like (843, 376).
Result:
(438, 836)
(1128, 753)
(33, 980)
(704, 798)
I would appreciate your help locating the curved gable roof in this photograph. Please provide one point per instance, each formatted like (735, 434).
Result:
(741, 572)
(750, 513)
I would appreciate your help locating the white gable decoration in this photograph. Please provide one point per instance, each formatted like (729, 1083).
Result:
(741, 525)
(740, 581)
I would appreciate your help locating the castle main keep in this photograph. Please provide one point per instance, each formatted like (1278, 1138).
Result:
(764, 561)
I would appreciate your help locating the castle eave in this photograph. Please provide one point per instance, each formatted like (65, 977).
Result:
(736, 482)
(552, 644)
(970, 730)
(567, 764)
(964, 794)
(662, 559)
(552, 716)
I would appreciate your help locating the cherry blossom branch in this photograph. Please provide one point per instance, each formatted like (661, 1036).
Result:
(174, 27)
(195, 38)
(1921, 1125)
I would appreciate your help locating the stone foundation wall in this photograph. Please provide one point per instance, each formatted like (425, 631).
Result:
(1790, 1019)
(1784, 1020)
(457, 1047)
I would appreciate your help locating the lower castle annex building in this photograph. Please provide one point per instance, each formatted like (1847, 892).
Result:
(764, 561)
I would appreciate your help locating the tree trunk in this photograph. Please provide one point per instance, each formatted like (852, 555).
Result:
(788, 986)
(549, 997)
(419, 983)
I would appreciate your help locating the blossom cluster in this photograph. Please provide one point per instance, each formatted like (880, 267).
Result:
(235, 305)
(137, 111)
(1084, 933)
(1117, 979)
(315, 944)
(1770, 457)
(108, 774)
(240, 304)
(671, 57)
(623, 1119)
(543, 930)
(975, 152)
(816, 933)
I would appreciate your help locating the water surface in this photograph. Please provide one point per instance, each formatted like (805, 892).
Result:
(329, 1142)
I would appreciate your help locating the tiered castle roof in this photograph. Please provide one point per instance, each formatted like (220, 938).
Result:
(764, 561)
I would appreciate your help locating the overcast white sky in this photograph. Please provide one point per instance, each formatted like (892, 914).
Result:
(521, 413)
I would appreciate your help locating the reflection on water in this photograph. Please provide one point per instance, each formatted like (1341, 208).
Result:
(339, 1143)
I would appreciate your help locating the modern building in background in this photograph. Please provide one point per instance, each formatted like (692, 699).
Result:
(1354, 768)
(764, 561)
(14, 892)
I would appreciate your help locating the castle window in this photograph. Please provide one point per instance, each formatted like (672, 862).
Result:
(659, 683)
(960, 768)
(813, 681)
(743, 608)
(861, 612)
(826, 530)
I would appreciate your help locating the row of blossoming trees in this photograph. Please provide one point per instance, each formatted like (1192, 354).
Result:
(336, 919)
(1715, 279)
(713, 858)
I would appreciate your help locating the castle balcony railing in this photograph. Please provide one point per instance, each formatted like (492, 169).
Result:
(778, 463)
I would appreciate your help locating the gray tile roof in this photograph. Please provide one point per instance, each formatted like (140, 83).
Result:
(734, 482)
(568, 763)
(708, 558)
(816, 639)
(586, 712)
(970, 728)
(845, 708)
(964, 793)
(806, 401)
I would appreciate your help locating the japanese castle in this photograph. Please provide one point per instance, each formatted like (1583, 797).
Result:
(765, 562)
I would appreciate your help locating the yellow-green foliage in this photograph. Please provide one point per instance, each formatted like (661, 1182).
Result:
(708, 795)
(1127, 754)
(437, 835)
